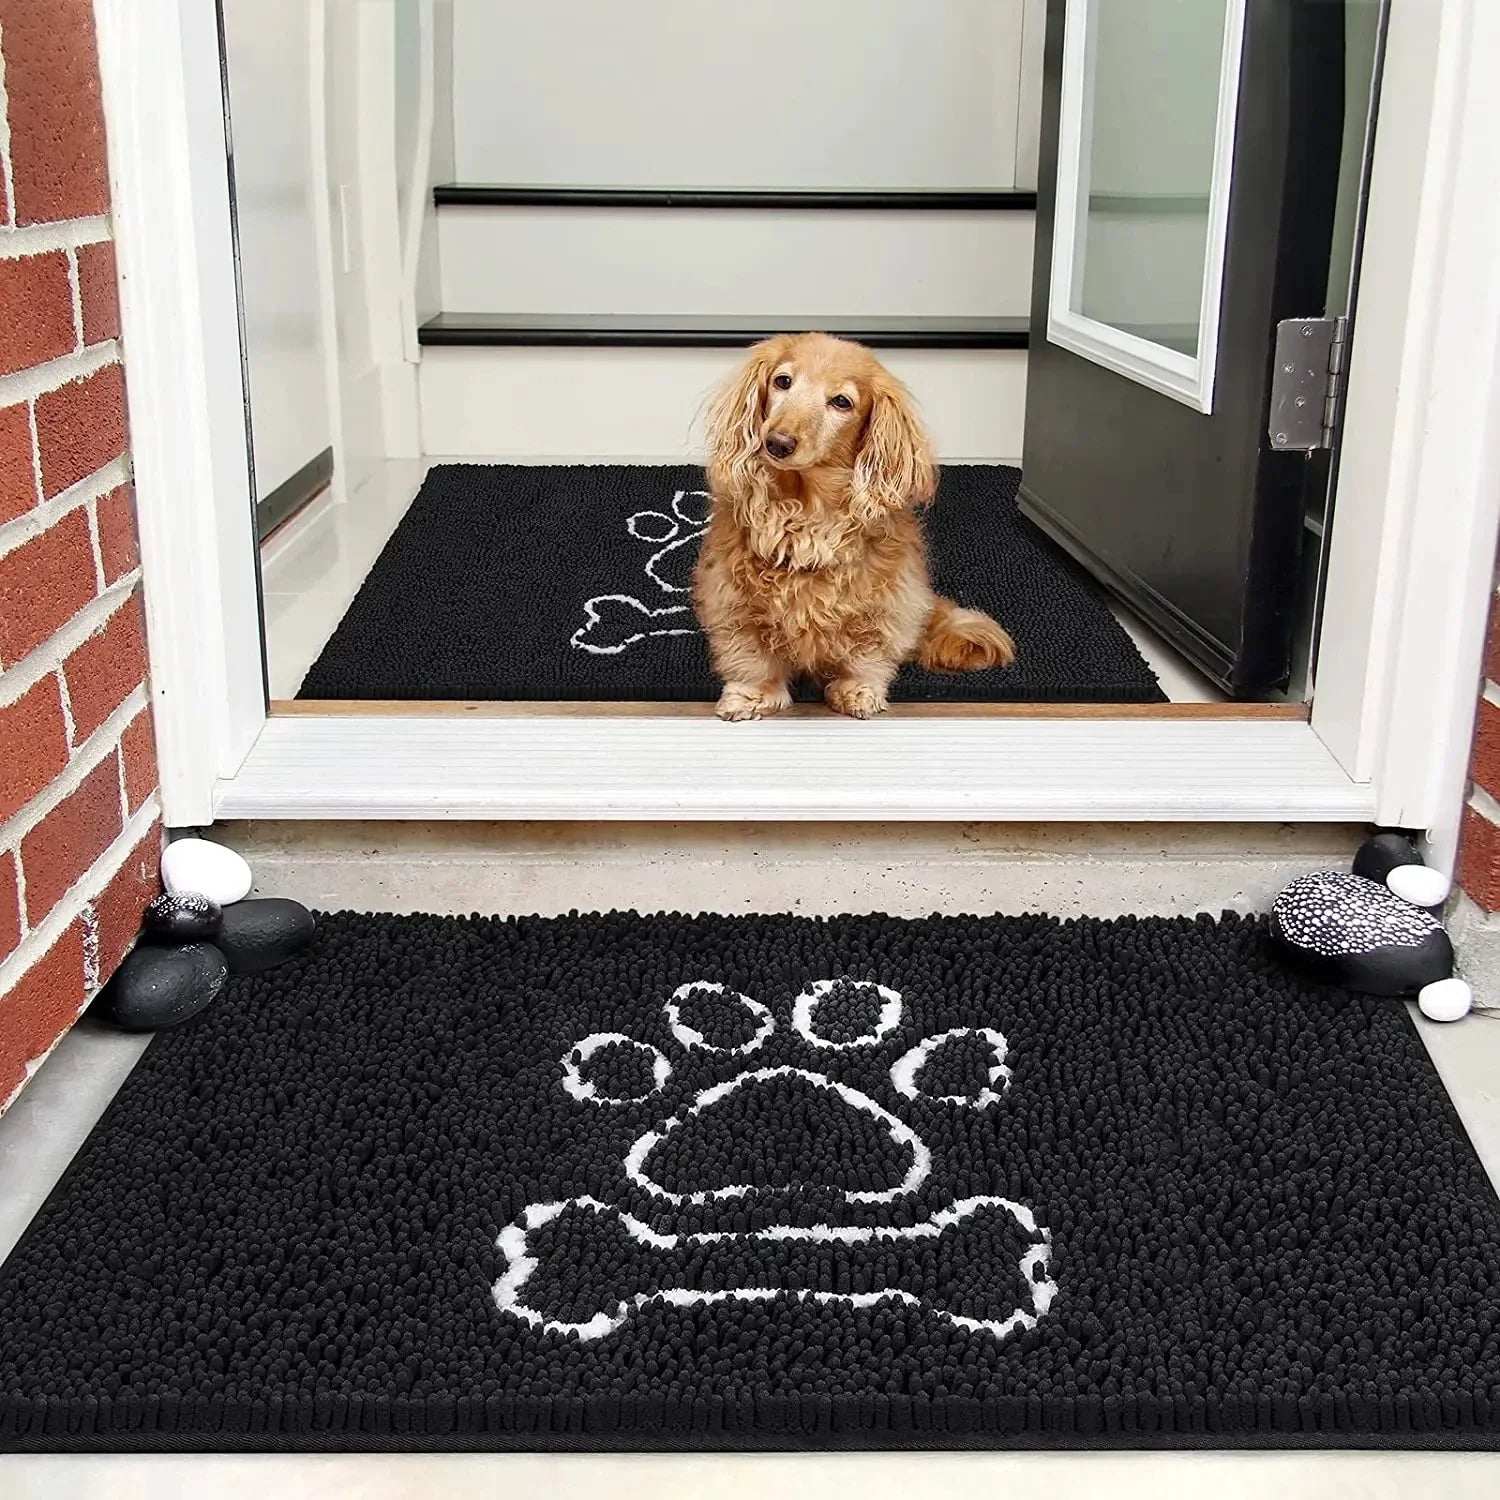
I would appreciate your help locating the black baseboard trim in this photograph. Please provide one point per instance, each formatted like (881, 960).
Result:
(292, 494)
(507, 195)
(675, 331)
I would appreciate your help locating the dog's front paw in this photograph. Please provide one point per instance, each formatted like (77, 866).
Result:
(740, 701)
(859, 700)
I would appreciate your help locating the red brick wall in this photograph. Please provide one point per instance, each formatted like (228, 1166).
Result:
(1479, 844)
(79, 829)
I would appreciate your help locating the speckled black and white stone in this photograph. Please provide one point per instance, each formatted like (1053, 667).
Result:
(629, 1181)
(1331, 914)
(187, 918)
(1351, 931)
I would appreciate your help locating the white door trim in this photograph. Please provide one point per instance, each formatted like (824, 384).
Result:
(1185, 378)
(1412, 550)
(1404, 606)
(179, 311)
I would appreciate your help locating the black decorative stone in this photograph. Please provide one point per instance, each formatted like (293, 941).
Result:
(159, 987)
(183, 918)
(1382, 852)
(1353, 932)
(258, 935)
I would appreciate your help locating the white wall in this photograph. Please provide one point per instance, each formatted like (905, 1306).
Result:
(367, 285)
(406, 21)
(753, 93)
(270, 89)
(427, 295)
(353, 284)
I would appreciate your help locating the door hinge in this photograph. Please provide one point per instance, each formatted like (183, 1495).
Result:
(1307, 381)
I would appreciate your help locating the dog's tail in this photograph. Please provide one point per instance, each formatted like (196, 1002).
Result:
(956, 639)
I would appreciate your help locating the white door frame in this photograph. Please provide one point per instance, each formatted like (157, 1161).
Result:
(1411, 561)
(1411, 554)
(184, 377)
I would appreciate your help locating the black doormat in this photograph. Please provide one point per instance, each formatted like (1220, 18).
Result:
(540, 582)
(671, 1182)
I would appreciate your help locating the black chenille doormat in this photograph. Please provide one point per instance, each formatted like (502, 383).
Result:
(700, 1182)
(545, 582)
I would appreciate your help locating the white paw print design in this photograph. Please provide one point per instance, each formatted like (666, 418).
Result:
(762, 1264)
(614, 622)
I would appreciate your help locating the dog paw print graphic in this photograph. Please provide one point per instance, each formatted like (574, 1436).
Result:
(709, 1206)
(612, 623)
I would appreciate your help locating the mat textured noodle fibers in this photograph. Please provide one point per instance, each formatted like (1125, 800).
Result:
(539, 582)
(678, 1182)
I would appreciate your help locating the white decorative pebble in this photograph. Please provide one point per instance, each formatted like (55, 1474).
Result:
(198, 867)
(1419, 885)
(1445, 1000)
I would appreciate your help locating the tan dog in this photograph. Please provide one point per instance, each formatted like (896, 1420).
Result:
(813, 563)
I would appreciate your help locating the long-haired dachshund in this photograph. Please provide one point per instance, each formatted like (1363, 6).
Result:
(813, 564)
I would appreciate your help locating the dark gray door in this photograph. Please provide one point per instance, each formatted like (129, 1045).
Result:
(1200, 145)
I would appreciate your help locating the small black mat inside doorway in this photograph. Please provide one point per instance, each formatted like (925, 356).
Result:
(733, 1182)
(541, 582)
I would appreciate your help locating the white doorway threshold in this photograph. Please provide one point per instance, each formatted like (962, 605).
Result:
(1165, 763)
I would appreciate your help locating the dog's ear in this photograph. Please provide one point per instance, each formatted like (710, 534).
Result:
(735, 418)
(895, 466)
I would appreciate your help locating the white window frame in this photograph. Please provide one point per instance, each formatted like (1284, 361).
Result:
(1411, 555)
(1185, 378)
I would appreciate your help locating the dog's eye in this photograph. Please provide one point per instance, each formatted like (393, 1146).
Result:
(783, 382)
(843, 403)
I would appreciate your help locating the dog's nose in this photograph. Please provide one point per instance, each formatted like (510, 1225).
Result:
(780, 444)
